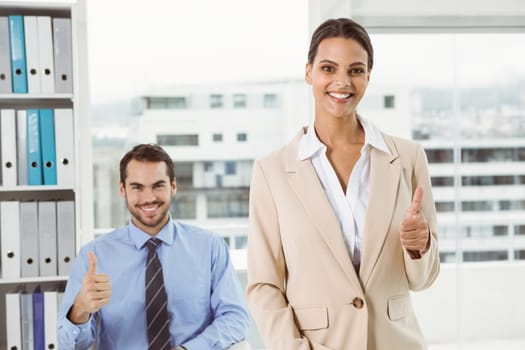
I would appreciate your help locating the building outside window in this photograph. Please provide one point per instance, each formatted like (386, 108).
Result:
(216, 101)
(239, 101)
(230, 168)
(389, 102)
(208, 167)
(217, 137)
(228, 203)
(185, 205)
(242, 137)
(271, 101)
(175, 102)
(178, 140)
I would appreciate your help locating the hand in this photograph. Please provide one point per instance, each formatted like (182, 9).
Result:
(414, 232)
(95, 293)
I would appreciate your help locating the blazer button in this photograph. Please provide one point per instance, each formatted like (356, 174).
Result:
(358, 303)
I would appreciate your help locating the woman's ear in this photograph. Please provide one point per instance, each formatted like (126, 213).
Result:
(308, 73)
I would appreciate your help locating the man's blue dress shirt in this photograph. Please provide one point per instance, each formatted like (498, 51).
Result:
(206, 305)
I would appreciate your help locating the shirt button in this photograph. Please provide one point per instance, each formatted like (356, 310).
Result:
(358, 303)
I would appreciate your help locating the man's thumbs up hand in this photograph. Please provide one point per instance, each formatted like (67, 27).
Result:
(95, 293)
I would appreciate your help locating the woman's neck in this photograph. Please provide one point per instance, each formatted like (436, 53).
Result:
(335, 131)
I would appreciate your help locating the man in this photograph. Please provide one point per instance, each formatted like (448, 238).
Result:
(119, 296)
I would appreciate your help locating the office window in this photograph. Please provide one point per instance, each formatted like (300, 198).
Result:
(242, 137)
(185, 206)
(389, 102)
(442, 181)
(166, 102)
(208, 167)
(230, 168)
(217, 137)
(440, 155)
(519, 254)
(228, 203)
(178, 140)
(477, 205)
(500, 230)
(271, 101)
(492, 255)
(444, 207)
(184, 174)
(488, 180)
(484, 231)
(241, 242)
(495, 154)
(447, 257)
(216, 101)
(239, 101)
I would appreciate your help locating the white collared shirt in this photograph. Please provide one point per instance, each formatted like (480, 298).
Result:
(350, 207)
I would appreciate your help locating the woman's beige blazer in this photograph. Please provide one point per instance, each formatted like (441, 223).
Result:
(303, 290)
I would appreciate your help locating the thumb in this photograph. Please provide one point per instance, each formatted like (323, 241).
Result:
(416, 201)
(92, 268)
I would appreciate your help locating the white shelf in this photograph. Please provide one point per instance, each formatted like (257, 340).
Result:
(25, 280)
(80, 191)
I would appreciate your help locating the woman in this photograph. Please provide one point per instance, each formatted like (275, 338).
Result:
(342, 220)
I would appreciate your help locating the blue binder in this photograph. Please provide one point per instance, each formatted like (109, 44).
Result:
(18, 54)
(34, 152)
(38, 320)
(47, 142)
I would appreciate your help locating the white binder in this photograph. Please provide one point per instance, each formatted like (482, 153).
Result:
(29, 239)
(10, 240)
(45, 49)
(21, 146)
(5, 60)
(65, 147)
(62, 54)
(8, 144)
(50, 319)
(65, 236)
(26, 320)
(31, 41)
(47, 238)
(12, 320)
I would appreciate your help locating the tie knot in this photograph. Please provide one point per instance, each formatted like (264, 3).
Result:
(153, 243)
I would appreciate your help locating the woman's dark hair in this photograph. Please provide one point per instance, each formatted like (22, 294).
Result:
(341, 28)
(147, 153)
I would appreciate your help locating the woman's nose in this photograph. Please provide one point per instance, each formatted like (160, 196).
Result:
(343, 81)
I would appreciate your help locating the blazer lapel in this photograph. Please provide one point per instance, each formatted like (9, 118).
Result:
(306, 185)
(385, 170)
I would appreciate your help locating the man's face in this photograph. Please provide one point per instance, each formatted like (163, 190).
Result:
(148, 192)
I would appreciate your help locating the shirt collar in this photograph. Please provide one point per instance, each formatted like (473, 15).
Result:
(310, 144)
(139, 237)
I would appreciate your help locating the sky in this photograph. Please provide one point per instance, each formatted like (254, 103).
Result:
(136, 45)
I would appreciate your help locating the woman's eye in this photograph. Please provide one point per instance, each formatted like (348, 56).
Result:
(357, 71)
(327, 69)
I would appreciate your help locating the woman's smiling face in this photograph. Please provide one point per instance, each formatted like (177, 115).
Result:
(339, 77)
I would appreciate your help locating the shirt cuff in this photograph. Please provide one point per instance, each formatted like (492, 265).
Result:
(198, 343)
(77, 329)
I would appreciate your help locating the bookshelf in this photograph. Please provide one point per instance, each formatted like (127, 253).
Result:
(78, 189)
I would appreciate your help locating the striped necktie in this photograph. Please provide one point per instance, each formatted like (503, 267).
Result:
(157, 319)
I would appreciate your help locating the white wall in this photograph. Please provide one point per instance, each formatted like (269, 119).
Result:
(489, 305)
